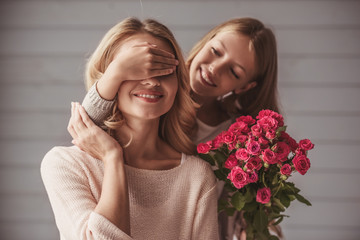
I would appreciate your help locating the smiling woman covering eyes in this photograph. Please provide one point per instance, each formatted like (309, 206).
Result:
(130, 182)
(232, 72)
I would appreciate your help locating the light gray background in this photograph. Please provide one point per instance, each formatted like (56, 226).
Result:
(43, 47)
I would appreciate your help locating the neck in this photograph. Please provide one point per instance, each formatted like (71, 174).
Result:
(142, 136)
(146, 147)
(210, 111)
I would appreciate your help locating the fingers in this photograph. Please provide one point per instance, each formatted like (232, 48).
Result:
(155, 50)
(163, 62)
(78, 124)
(157, 55)
(85, 117)
(70, 127)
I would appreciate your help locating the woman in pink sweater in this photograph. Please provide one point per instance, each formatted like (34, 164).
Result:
(140, 182)
(232, 72)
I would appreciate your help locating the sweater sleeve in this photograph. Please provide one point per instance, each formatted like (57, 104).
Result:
(206, 221)
(72, 200)
(96, 107)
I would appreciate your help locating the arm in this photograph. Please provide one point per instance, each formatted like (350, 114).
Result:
(114, 199)
(135, 63)
(68, 183)
(206, 221)
(72, 198)
(97, 108)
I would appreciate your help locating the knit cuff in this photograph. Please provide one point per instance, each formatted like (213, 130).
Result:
(96, 107)
(102, 228)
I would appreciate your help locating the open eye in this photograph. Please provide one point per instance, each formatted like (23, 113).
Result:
(214, 51)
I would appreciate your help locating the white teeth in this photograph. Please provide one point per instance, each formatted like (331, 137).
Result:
(205, 77)
(148, 96)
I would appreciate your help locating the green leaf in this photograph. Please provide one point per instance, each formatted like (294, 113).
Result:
(272, 237)
(207, 158)
(220, 175)
(279, 204)
(230, 211)
(238, 201)
(260, 220)
(229, 187)
(222, 205)
(281, 129)
(249, 194)
(285, 200)
(220, 158)
(291, 197)
(278, 221)
(302, 199)
(250, 206)
(275, 180)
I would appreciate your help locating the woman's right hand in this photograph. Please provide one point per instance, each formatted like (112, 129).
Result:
(137, 62)
(91, 138)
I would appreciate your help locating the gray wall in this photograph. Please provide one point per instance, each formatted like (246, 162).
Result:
(43, 48)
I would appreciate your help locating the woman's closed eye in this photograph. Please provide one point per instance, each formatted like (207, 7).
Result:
(215, 51)
(234, 73)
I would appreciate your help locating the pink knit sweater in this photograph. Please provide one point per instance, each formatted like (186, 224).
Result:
(179, 203)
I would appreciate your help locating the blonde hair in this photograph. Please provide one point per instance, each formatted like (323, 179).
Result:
(176, 126)
(264, 94)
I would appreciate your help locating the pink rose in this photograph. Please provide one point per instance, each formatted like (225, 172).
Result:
(238, 177)
(268, 123)
(253, 147)
(300, 151)
(270, 134)
(242, 138)
(254, 163)
(231, 162)
(268, 113)
(292, 143)
(301, 163)
(253, 177)
(269, 156)
(239, 127)
(256, 130)
(218, 141)
(203, 148)
(263, 142)
(263, 195)
(246, 119)
(282, 150)
(229, 137)
(286, 170)
(242, 154)
(306, 144)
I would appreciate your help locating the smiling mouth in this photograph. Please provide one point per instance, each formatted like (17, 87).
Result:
(148, 96)
(205, 79)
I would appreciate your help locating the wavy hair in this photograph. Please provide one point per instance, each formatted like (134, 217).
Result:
(264, 94)
(178, 124)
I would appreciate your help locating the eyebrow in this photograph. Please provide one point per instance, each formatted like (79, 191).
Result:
(237, 64)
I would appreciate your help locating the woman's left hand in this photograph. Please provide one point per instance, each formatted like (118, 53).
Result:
(89, 137)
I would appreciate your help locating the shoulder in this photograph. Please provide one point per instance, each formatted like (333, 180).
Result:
(65, 160)
(199, 169)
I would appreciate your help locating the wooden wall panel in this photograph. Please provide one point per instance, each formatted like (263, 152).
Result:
(43, 48)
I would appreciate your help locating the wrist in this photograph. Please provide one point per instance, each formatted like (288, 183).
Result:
(108, 86)
(113, 157)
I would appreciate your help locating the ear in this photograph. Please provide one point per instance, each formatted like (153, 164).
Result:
(245, 88)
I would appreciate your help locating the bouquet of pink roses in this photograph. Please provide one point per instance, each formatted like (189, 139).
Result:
(255, 158)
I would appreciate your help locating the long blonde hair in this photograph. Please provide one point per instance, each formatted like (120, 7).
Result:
(176, 126)
(264, 94)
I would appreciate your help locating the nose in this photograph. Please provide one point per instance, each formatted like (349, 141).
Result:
(216, 67)
(154, 82)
